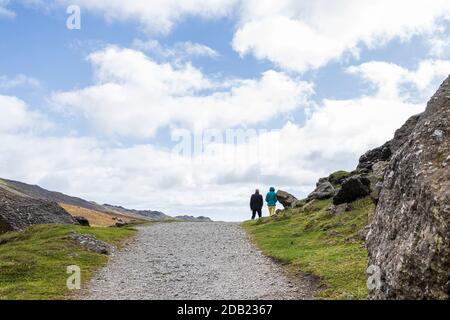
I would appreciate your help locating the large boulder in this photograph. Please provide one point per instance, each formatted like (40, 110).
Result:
(408, 241)
(18, 212)
(385, 152)
(353, 188)
(324, 190)
(286, 199)
(367, 160)
(402, 135)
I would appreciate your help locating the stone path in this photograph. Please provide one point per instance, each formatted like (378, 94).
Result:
(212, 260)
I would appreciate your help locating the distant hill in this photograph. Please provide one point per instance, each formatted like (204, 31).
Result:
(37, 192)
(76, 205)
(193, 219)
(152, 215)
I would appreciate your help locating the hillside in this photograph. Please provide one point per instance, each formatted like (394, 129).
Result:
(98, 215)
(33, 262)
(148, 214)
(310, 239)
(391, 214)
(19, 212)
(37, 192)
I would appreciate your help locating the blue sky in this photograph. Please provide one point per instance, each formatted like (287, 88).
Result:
(94, 110)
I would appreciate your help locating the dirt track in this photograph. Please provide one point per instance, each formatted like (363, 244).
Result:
(194, 261)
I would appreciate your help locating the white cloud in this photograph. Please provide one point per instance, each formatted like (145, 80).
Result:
(135, 96)
(439, 46)
(158, 16)
(4, 11)
(144, 176)
(17, 81)
(179, 51)
(16, 116)
(303, 35)
(390, 78)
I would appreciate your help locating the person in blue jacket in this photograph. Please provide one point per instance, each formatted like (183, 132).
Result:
(271, 199)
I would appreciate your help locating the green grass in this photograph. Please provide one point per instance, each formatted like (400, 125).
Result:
(315, 242)
(338, 175)
(33, 262)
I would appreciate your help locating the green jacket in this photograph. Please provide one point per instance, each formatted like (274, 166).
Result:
(271, 198)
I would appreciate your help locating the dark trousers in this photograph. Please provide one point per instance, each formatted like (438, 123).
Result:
(254, 211)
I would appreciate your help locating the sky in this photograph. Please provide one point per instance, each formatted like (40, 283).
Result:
(187, 106)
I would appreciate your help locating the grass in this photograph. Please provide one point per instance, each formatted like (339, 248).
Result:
(337, 176)
(311, 240)
(33, 262)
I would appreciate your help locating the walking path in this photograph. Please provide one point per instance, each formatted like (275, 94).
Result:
(182, 260)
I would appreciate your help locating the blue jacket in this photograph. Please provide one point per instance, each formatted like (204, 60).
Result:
(271, 198)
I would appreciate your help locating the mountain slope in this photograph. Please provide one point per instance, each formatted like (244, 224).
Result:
(19, 212)
(103, 215)
(38, 192)
(149, 214)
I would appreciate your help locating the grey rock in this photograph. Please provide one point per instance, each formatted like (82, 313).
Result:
(286, 199)
(353, 188)
(375, 193)
(410, 231)
(379, 169)
(402, 135)
(19, 212)
(385, 152)
(336, 210)
(324, 190)
(382, 153)
(91, 243)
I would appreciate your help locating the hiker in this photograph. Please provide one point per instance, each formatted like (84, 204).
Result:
(256, 204)
(271, 199)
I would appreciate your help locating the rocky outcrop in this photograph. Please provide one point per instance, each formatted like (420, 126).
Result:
(19, 212)
(353, 188)
(367, 160)
(286, 199)
(324, 190)
(384, 153)
(409, 234)
(37, 192)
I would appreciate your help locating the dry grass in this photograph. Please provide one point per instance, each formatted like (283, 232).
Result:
(96, 218)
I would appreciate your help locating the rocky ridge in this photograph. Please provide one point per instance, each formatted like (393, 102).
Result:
(408, 179)
(18, 212)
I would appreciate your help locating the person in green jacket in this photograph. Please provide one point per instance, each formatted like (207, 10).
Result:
(271, 199)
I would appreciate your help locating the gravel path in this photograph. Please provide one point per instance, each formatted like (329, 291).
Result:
(213, 260)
